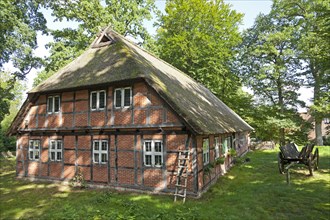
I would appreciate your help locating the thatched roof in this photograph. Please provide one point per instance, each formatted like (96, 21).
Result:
(119, 59)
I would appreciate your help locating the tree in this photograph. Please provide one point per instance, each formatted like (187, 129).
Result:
(269, 66)
(126, 17)
(199, 37)
(10, 105)
(20, 21)
(312, 21)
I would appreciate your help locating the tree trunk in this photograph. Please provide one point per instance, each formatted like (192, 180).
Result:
(281, 105)
(317, 116)
(318, 131)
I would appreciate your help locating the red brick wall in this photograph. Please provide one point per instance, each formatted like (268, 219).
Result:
(126, 176)
(147, 109)
(153, 178)
(126, 172)
(100, 173)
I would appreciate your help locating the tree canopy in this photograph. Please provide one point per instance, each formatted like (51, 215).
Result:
(199, 37)
(20, 21)
(126, 17)
(311, 19)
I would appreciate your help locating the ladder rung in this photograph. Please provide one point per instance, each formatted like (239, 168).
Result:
(184, 151)
(178, 185)
(183, 175)
(182, 167)
(185, 158)
(180, 195)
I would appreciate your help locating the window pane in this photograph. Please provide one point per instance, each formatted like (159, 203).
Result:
(93, 100)
(52, 144)
(104, 158)
(158, 147)
(59, 156)
(148, 160)
(224, 146)
(102, 100)
(127, 98)
(96, 145)
(96, 158)
(50, 104)
(31, 145)
(31, 155)
(36, 144)
(52, 156)
(205, 145)
(118, 98)
(104, 145)
(56, 104)
(36, 156)
(148, 146)
(59, 145)
(158, 160)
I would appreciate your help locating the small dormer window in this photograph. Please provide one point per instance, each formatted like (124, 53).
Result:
(53, 104)
(123, 97)
(102, 40)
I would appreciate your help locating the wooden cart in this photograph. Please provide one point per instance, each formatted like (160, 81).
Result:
(290, 155)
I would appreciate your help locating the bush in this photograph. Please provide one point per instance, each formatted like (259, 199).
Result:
(232, 152)
(220, 160)
(326, 140)
(78, 180)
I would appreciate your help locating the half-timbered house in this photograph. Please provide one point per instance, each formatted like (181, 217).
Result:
(121, 116)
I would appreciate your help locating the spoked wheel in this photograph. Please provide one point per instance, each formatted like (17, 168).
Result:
(316, 159)
(280, 163)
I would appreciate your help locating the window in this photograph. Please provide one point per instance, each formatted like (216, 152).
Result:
(97, 100)
(224, 145)
(100, 151)
(217, 147)
(53, 104)
(231, 142)
(206, 151)
(123, 97)
(55, 150)
(153, 153)
(34, 149)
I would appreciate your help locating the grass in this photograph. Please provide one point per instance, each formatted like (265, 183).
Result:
(253, 190)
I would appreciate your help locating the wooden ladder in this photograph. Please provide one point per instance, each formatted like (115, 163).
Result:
(182, 175)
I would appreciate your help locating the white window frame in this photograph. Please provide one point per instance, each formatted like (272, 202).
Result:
(100, 151)
(52, 97)
(36, 151)
(153, 153)
(122, 104)
(98, 100)
(56, 150)
(206, 151)
(216, 147)
(224, 140)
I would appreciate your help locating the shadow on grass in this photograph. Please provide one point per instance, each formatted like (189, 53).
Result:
(256, 190)
(42, 200)
(251, 190)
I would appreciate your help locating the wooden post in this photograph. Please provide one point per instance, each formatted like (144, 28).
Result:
(288, 173)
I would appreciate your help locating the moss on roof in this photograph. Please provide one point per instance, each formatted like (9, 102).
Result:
(123, 60)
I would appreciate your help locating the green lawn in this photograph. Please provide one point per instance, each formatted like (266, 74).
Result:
(253, 190)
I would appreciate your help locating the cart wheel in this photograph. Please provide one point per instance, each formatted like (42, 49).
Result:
(280, 163)
(316, 159)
